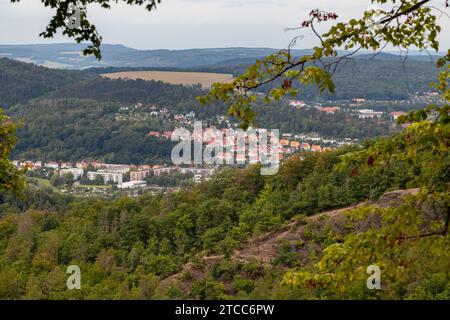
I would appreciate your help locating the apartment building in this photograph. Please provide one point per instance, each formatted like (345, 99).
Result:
(107, 176)
(139, 175)
(76, 172)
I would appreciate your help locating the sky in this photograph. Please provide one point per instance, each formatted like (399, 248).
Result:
(184, 24)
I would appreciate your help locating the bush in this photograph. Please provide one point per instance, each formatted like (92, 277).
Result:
(208, 289)
(242, 284)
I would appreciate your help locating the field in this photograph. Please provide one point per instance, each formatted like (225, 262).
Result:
(172, 77)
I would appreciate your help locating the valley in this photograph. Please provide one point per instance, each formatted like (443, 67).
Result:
(363, 180)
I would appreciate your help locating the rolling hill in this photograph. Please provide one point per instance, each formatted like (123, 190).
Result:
(68, 56)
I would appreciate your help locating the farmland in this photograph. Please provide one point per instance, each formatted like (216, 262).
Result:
(185, 78)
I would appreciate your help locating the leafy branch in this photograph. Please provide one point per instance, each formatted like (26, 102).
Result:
(410, 23)
(86, 31)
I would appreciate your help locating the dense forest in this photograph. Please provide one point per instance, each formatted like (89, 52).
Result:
(336, 125)
(242, 235)
(365, 78)
(375, 79)
(74, 129)
(384, 78)
(20, 81)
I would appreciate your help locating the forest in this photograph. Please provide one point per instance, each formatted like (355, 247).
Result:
(356, 78)
(374, 79)
(76, 129)
(21, 81)
(385, 77)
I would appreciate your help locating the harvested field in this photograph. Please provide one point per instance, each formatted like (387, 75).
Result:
(173, 77)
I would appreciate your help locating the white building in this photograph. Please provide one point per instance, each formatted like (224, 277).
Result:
(369, 113)
(190, 115)
(107, 176)
(116, 168)
(139, 175)
(197, 171)
(76, 172)
(197, 178)
(132, 184)
(297, 103)
(52, 165)
(167, 170)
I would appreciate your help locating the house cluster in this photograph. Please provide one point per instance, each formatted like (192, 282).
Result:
(163, 112)
(361, 113)
(156, 134)
(299, 104)
(186, 118)
(355, 109)
(114, 173)
(291, 143)
(396, 114)
(76, 169)
(141, 112)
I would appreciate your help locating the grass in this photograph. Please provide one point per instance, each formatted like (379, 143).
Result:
(185, 78)
(92, 186)
(42, 183)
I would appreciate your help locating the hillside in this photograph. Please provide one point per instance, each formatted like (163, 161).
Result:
(264, 248)
(361, 77)
(263, 252)
(20, 81)
(364, 78)
(74, 129)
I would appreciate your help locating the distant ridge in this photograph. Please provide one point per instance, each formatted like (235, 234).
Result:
(68, 56)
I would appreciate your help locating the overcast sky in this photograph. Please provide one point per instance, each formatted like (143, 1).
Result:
(181, 24)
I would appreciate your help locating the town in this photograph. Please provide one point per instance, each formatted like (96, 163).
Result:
(92, 177)
(95, 177)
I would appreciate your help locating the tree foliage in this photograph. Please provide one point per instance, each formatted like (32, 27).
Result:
(11, 179)
(396, 237)
(403, 25)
